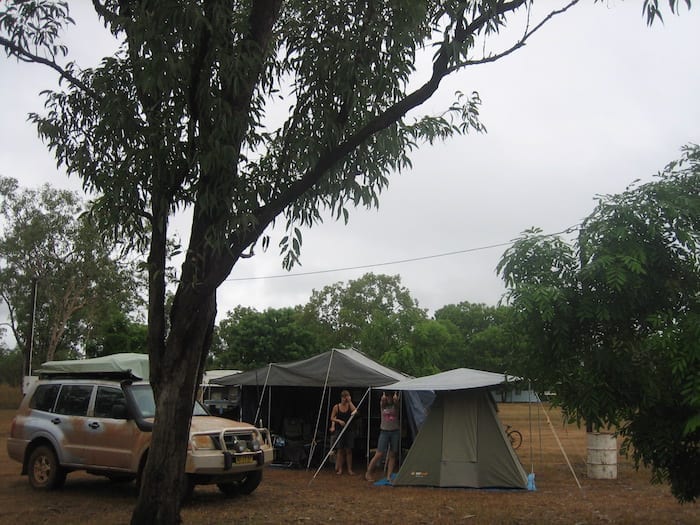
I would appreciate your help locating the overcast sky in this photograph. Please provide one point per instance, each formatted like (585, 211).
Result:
(596, 100)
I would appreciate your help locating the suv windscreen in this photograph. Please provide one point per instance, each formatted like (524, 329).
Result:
(143, 395)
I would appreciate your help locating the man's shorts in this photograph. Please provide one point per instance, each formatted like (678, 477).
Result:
(388, 439)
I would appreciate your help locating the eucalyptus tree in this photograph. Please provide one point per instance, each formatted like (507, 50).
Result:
(57, 272)
(612, 320)
(182, 116)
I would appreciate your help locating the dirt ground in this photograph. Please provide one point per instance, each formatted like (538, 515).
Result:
(294, 496)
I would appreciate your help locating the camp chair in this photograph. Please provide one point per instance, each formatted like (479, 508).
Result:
(295, 449)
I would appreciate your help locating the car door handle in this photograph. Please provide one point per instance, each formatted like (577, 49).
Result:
(94, 425)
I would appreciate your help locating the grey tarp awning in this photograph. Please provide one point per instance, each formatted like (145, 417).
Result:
(457, 379)
(337, 368)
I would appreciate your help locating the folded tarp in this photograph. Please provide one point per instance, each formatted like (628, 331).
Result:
(135, 365)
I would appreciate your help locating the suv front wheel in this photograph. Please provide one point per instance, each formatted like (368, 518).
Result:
(44, 471)
(245, 486)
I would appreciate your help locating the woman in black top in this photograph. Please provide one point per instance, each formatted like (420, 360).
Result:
(340, 416)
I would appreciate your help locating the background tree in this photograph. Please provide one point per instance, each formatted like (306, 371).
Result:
(114, 331)
(487, 341)
(612, 321)
(373, 314)
(179, 117)
(46, 239)
(11, 363)
(249, 339)
(428, 349)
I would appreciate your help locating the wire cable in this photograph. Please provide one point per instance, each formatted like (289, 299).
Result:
(400, 261)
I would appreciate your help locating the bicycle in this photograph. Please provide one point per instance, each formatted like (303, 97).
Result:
(515, 437)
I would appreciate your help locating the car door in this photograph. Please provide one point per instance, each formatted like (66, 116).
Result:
(114, 437)
(70, 419)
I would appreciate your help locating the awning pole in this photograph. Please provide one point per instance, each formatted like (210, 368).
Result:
(369, 429)
(312, 448)
(561, 447)
(260, 401)
(529, 420)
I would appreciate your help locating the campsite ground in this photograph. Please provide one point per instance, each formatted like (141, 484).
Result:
(293, 496)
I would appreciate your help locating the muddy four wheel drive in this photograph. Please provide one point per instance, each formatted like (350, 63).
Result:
(97, 414)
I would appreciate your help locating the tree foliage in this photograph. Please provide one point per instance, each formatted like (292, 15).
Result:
(374, 314)
(612, 320)
(114, 331)
(250, 339)
(11, 365)
(46, 239)
(486, 339)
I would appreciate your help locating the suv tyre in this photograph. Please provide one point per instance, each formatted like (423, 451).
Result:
(44, 471)
(244, 486)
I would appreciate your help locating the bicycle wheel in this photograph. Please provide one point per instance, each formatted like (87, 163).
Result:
(516, 439)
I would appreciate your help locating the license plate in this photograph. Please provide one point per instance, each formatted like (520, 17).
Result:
(242, 460)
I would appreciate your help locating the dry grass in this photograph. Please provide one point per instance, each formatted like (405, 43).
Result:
(289, 496)
(10, 396)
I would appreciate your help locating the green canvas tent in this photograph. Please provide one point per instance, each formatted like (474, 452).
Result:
(462, 442)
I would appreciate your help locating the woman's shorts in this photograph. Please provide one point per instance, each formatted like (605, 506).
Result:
(388, 439)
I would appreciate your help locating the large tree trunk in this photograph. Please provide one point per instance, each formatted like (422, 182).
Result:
(175, 388)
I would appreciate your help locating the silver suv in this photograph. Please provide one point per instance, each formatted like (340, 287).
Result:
(101, 422)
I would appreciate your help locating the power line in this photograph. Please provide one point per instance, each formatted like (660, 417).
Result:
(401, 261)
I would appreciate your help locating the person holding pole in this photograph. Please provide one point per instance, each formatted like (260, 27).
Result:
(340, 417)
(388, 442)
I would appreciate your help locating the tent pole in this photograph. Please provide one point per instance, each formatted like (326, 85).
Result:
(399, 452)
(529, 420)
(369, 429)
(539, 425)
(260, 401)
(269, 406)
(340, 435)
(312, 449)
(561, 447)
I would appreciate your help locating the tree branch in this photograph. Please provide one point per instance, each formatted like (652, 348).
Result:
(520, 43)
(26, 56)
(391, 115)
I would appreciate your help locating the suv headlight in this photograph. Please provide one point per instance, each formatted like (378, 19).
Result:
(202, 442)
(239, 446)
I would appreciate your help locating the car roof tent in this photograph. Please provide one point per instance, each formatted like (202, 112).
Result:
(130, 365)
